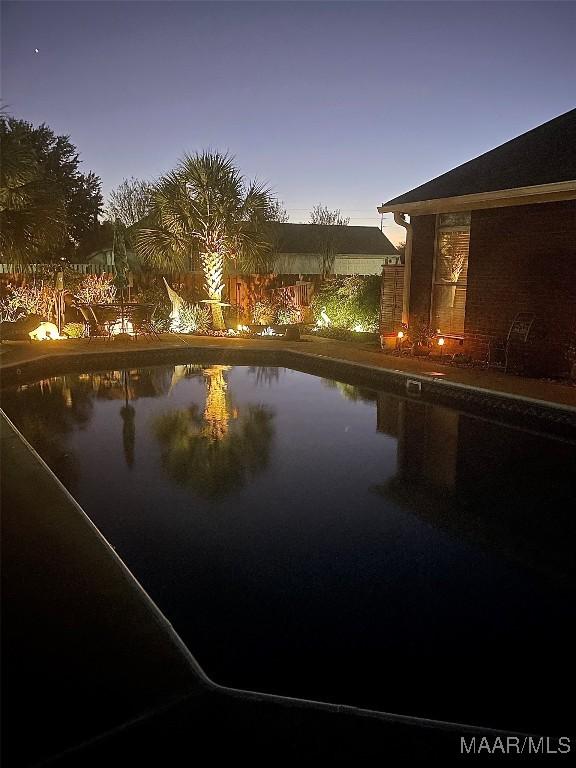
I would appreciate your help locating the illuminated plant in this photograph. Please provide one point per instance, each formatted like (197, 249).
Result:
(287, 312)
(263, 312)
(288, 315)
(206, 205)
(96, 289)
(192, 318)
(348, 302)
(35, 299)
(73, 330)
(10, 309)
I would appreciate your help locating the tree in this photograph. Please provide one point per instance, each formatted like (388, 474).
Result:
(33, 219)
(328, 235)
(206, 204)
(277, 212)
(321, 214)
(129, 202)
(70, 199)
(98, 239)
(401, 248)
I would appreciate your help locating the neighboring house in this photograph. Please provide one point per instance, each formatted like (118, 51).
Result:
(493, 238)
(302, 249)
(298, 250)
(105, 258)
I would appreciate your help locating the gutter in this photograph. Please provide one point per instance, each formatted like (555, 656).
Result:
(400, 219)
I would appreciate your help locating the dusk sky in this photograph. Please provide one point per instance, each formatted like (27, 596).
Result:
(347, 103)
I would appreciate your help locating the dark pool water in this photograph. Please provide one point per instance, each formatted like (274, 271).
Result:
(313, 539)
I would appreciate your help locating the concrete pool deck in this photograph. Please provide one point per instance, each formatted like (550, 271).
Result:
(94, 672)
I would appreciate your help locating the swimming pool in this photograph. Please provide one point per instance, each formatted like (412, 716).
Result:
(320, 540)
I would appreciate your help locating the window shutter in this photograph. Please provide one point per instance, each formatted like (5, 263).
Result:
(392, 291)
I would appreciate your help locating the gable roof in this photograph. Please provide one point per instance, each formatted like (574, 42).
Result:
(546, 155)
(306, 238)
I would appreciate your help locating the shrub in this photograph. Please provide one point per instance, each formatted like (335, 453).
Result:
(10, 309)
(263, 311)
(288, 316)
(96, 289)
(287, 312)
(194, 318)
(349, 302)
(343, 334)
(73, 330)
(35, 299)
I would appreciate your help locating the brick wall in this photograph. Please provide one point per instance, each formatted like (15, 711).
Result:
(522, 259)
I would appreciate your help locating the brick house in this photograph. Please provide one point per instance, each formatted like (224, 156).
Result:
(491, 251)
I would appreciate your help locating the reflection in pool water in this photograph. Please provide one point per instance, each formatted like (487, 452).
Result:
(214, 452)
(315, 539)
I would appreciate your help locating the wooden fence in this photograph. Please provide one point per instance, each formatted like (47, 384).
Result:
(83, 269)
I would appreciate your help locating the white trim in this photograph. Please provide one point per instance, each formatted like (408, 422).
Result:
(540, 193)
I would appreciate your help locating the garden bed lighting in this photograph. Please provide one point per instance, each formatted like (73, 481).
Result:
(45, 332)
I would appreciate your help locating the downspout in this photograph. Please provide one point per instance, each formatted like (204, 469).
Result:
(400, 219)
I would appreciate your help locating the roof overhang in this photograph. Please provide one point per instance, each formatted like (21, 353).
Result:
(543, 193)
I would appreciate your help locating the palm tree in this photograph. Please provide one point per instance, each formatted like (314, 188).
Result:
(216, 452)
(206, 205)
(32, 214)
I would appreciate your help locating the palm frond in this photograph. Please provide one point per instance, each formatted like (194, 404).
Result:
(205, 204)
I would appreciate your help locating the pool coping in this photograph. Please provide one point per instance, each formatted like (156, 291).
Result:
(514, 408)
(199, 680)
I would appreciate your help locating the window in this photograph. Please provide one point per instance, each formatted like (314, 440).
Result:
(450, 273)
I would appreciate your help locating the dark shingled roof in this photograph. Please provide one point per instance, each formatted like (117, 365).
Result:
(305, 238)
(544, 155)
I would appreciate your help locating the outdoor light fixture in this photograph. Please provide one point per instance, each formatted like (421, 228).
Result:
(45, 332)
(441, 341)
(121, 327)
(399, 337)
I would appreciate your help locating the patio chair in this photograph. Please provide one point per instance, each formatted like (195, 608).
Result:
(90, 324)
(99, 318)
(516, 350)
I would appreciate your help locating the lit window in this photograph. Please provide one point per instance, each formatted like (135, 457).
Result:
(450, 273)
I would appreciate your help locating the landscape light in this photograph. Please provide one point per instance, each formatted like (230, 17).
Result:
(45, 332)
(441, 341)
(400, 334)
